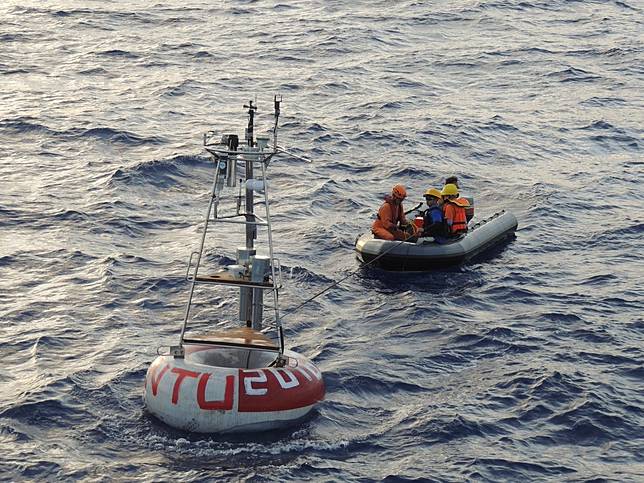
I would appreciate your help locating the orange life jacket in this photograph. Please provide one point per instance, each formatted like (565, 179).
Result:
(454, 210)
(389, 217)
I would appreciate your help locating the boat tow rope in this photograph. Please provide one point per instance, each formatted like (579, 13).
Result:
(351, 273)
(292, 154)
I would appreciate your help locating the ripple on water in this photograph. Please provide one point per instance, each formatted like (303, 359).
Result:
(524, 364)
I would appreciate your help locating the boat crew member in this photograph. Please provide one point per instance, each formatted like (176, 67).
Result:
(454, 210)
(390, 222)
(433, 221)
(469, 210)
(452, 180)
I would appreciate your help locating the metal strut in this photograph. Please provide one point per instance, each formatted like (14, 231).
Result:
(278, 321)
(178, 351)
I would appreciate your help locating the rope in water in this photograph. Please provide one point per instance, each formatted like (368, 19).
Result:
(351, 273)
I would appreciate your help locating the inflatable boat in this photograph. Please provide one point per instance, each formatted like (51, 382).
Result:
(428, 254)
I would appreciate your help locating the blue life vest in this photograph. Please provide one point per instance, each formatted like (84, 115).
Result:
(433, 215)
(434, 224)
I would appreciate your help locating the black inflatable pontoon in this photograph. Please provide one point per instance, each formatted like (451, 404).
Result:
(428, 255)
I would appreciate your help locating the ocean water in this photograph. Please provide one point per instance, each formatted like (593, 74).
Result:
(525, 365)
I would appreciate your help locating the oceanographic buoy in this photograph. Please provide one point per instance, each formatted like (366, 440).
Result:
(242, 378)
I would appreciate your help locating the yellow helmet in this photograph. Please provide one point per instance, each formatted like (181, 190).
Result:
(449, 189)
(432, 192)
(399, 192)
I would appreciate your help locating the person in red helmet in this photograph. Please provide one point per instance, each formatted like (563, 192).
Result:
(390, 223)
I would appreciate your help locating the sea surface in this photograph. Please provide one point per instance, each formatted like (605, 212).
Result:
(525, 365)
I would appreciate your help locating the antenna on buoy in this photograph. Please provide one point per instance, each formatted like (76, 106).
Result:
(251, 122)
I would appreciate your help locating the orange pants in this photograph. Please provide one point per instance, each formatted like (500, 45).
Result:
(384, 234)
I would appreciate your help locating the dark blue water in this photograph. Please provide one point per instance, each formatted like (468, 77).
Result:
(525, 365)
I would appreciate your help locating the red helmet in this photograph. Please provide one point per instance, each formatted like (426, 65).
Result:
(399, 192)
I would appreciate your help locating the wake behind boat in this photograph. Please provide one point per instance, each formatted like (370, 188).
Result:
(426, 254)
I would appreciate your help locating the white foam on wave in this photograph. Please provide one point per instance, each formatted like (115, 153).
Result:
(211, 448)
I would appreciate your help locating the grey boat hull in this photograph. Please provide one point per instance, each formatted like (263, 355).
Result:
(413, 257)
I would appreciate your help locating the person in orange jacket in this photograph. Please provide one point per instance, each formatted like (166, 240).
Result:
(469, 208)
(454, 210)
(391, 217)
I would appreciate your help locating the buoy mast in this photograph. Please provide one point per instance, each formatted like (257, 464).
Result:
(253, 274)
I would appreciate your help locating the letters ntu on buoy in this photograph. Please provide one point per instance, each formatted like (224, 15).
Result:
(240, 379)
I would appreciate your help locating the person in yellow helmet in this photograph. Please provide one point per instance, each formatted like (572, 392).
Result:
(469, 210)
(454, 210)
(391, 221)
(433, 221)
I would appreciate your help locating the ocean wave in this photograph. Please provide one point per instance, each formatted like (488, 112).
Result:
(572, 74)
(117, 136)
(160, 173)
(186, 87)
(14, 37)
(604, 102)
(25, 125)
(524, 364)
(300, 274)
(118, 54)
(93, 71)
(490, 346)
(202, 54)
(514, 469)
(364, 385)
(631, 231)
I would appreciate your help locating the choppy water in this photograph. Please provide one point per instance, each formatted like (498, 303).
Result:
(527, 365)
